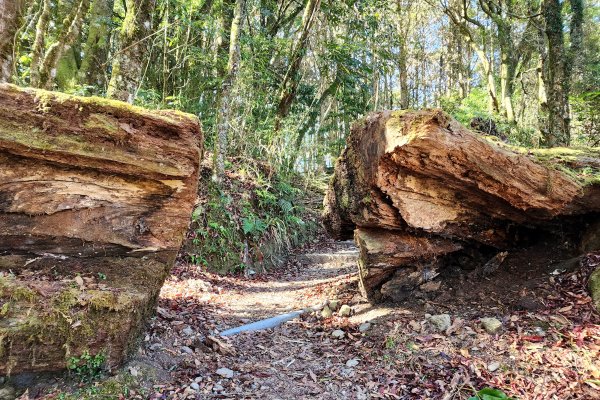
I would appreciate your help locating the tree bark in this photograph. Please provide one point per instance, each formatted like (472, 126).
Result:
(128, 62)
(557, 71)
(96, 197)
(10, 18)
(419, 181)
(93, 70)
(291, 79)
(225, 106)
(46, 67)
(39, 43)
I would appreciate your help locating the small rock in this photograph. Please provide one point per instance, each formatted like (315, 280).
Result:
(345, 311)
(187, 350)
(441, 322)
(493, 366)
(225, 373)
(188, 331)
(338, 334)
(195, 386)
(218, 388)
(326, 312)
(491, 325)
(155, 346)
(364, 327)
(352, 363)
(334, 304)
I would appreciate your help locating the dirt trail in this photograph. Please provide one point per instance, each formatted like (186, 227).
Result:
(301, 285)
(547, 346)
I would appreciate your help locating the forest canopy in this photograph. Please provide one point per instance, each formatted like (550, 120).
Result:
(283, 80)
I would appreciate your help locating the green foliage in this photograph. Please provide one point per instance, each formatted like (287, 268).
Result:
(490, 394)
(252, 214)
(464, 110)
(86, 367)
(586, 121)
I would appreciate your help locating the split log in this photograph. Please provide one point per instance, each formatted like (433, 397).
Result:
(383, 252)
(422, 173)
(95, 199)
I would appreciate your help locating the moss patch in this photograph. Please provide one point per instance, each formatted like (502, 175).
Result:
(59, 309)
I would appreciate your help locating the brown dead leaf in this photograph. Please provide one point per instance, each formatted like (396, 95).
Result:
(220, 346)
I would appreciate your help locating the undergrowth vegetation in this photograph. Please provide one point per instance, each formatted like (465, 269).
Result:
(252, 219)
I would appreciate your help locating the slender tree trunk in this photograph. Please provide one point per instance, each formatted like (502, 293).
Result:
(10, 17)
(71, 29)
(225, 107)
(94, 64)
(292, 78)
(39, 43)
(127, 65)
(557, 71)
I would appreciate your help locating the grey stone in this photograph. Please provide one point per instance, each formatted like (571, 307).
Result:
(352, 363)
(440, 322)
(155, 346)
(188, 331)
(218, 388)
(187, 350)
(493, 366)
(338, 334)
(326, 312)
(491, 325)
(195, 386)
(225, 373)
(364, 327)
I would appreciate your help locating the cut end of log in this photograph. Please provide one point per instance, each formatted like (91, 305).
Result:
(95, 199)
(423, 176)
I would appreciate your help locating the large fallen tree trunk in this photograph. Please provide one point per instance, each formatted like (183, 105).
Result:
(420, 175)
(95, 199)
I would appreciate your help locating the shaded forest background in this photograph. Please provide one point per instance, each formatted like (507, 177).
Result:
(281, 81)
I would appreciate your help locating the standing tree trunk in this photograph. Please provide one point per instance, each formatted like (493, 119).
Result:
(10, 16)
(39, 43)
(225, 106)
(127, 64)
(93, 66)
(46, 66)
(292, 78)
(557, 71)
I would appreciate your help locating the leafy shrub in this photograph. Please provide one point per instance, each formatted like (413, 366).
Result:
(252, 219)
(86, 367)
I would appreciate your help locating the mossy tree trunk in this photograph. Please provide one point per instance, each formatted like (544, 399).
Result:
(557, 71)
(90, 188)
(127, 67)
(291, 80)
(93, 71)
(45, 63)
(225, 102)
(10, 17)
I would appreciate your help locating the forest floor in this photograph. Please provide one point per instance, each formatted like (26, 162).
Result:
(547, 346)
